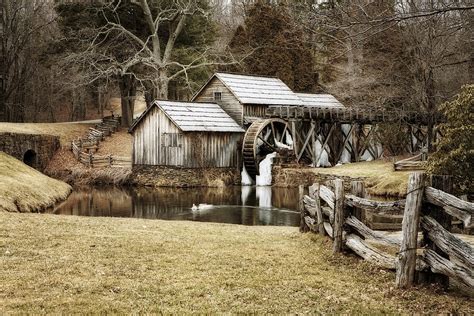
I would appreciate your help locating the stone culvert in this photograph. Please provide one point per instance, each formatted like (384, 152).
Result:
(33, 149)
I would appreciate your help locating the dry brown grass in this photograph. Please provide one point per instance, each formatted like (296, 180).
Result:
(66, 131)
(68, 264)
(24, 189)
(382, 179)
(119, 144)
(64, 166)
(379, 176)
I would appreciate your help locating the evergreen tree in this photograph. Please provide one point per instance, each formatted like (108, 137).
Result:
(278, 47)
(454, 154)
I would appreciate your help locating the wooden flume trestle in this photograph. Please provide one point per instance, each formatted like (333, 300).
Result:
(349, 115)
(306, 125)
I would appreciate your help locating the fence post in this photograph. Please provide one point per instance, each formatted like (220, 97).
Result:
(110, 160)
(338, 215)
(303, 227)
(358, 189)
(443, 183)
(314, 193)
(406, 262)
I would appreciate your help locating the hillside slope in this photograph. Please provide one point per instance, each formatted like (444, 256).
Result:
(24, 189)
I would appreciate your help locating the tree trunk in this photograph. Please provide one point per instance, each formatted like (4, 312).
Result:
(127, 93)
(163, 83)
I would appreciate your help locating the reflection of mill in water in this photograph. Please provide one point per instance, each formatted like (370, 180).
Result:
(237, 205)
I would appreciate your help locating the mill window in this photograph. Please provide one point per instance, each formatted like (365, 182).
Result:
(217, 96)
(171, 139)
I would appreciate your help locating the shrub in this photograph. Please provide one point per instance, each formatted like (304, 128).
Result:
(454, 153)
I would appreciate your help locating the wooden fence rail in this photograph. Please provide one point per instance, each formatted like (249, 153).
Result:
(84, 148)
(416, 162)
(439, 255)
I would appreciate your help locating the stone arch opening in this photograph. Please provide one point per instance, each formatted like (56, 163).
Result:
(29, 158)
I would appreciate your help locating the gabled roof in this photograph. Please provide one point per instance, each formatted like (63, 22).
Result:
(257, 90)
(319, 100)
(194, 116)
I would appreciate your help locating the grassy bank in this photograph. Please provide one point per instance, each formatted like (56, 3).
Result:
(24, 189)
(66, 131)
(378, 175)
(67, 264)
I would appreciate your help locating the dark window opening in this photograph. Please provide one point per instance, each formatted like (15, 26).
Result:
(217, 96)
(171, 139)
(29, 158)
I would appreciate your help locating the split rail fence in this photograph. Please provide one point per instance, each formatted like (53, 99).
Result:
(439, 256)
(84, 149)
(412, 163)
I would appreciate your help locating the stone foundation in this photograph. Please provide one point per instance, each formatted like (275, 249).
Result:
(164, 176)
(33, 149)
(293, 177)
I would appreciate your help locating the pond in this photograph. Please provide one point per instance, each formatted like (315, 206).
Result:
(248, 205)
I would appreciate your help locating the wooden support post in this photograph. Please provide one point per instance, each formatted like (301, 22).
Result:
(443, 183)
(313, 142)
(295, 138)
(303, 227)
(355, 142)
(314, 193)
(406, 262)
(358, 189)
(305, 143)
(325, 141)
(338, 215)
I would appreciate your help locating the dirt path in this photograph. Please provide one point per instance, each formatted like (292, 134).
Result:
(67, 264)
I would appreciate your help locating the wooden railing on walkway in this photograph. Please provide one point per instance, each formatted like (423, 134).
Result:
(84, 148)
(349, 115)
(441, 255)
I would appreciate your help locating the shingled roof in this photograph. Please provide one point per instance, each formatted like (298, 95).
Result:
(258, 90)
(195, 116)
(319, 100)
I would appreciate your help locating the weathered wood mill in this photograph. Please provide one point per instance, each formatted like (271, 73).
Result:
(186, 134)
(314, 129)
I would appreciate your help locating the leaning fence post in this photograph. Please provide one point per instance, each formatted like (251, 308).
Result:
(406, 262)
(357, 188)
(338, 215)
(314, 193)
(303, 227)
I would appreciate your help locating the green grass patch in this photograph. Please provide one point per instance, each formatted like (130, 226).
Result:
(69, 264)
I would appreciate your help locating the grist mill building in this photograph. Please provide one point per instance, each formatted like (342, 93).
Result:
(246, 98)
(186, 134)
(224, 127)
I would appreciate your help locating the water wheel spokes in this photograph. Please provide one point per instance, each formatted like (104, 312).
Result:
(263, 137)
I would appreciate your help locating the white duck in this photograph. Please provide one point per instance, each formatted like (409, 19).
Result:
(200, 207)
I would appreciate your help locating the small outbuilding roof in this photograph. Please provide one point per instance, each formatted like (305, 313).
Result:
(257, 90)
(319, 100)
(194, 116)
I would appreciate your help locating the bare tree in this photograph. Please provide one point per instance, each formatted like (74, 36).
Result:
(148, 56)
(24, 30)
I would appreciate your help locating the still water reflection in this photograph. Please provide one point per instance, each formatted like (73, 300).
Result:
(236, 205)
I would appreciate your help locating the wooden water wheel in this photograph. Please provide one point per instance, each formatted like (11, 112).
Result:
(260, 140)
